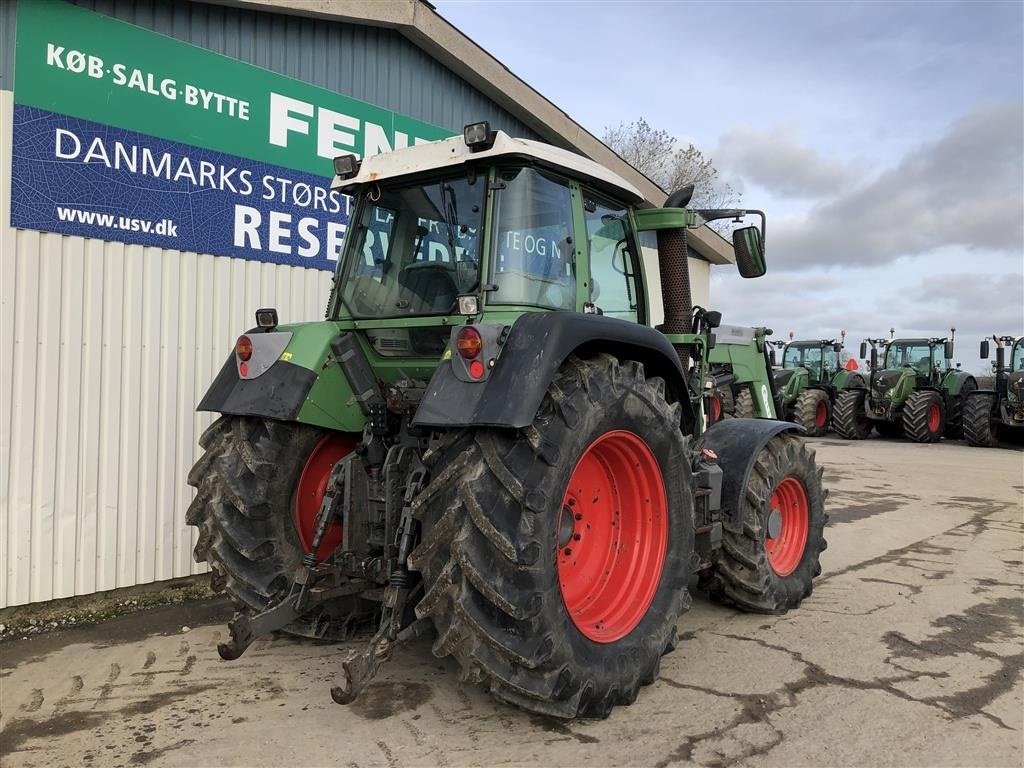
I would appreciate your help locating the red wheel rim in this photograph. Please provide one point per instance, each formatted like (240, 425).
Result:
(310, 492)
(716, 409)
(613, 535)
(786, 549)
(820, 414)
(934, 417)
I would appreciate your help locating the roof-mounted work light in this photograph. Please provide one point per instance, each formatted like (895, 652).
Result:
(478, 136)
(346, 166)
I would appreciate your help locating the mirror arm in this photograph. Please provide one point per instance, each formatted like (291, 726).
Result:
(714, 214)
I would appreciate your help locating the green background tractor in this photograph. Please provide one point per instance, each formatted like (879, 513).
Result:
(913, 391)
(486, 439)
(738, 380)
(992, 414)
(811, 377)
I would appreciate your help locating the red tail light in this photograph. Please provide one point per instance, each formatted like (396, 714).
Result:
(243, 348)
(469, 343)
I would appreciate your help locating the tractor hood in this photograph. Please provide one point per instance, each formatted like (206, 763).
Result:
(782, 376)
(893, 384)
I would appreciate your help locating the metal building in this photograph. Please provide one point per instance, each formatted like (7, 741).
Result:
(138, 139)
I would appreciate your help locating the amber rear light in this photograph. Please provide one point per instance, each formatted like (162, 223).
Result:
(469, 343)
(243, 348)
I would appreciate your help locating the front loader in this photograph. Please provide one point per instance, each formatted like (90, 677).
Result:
(486, 440)
(810, 379)
(915, 392)
(739, 381)
(992, 414)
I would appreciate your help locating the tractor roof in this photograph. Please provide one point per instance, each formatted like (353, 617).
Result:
(453, 153)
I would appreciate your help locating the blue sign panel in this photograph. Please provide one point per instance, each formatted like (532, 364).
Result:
(82, 178)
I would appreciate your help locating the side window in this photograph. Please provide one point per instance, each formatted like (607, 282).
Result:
(613, 285)
(831, 359)
(533, 250)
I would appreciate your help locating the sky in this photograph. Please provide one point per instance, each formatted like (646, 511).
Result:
(885, 141)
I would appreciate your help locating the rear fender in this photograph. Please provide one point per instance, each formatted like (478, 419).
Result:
(534, 349)
(954, 381)
(737, 442)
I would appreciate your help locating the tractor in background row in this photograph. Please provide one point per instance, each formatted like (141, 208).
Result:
(738, 379)
(991, 414)
(487, 440)
(915, 392)
(811, 377)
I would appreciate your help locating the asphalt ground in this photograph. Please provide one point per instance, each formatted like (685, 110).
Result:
(909, 652)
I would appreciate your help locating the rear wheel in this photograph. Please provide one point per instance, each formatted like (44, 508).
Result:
(259, 484)
(849, 417)
(744, 404)
(813, 411)
(924, 416)
(769, 566)
(980, 429)
(555, 558)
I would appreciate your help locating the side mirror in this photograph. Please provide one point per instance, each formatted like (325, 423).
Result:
(863, 350)
(984, 349)
(712, 319)
(746, 242)
(949, 350)
(874, 358)
(838, 348)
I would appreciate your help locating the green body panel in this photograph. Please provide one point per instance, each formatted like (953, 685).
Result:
(841, 379)
(953, 381)
(797, 383)
(748, 366)
(904, 385)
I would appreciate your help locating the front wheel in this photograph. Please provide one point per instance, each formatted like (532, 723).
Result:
(980, 429)
(813, 412)
(849, 415)
(769, 566)
(744, 408)
(924, 416)
(555, 558)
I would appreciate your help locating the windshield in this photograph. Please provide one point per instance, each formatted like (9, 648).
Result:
(916, 355)
(810, 357)
(413, 250)
(1017, 358)
(532, 254)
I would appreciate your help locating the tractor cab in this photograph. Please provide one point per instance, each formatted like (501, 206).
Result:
(926, 358)
(819, 358)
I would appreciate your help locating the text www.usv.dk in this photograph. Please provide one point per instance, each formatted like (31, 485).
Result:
(164, 227)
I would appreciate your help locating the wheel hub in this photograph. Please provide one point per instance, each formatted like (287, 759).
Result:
(787, 526)
(612, 536)
(774, 524)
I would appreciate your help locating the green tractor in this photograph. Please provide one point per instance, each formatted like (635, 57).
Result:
(991, 414)
(916, 392)
(738, 381)
(810, 379)
(485, 440)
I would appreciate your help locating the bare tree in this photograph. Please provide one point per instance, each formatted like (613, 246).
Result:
(659, 156)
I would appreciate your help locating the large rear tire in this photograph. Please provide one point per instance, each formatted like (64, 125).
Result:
(849, 418)
(980, 429)
(924, 416)
(813, 412)
(252, 486)
(770, 566)
(555, 558)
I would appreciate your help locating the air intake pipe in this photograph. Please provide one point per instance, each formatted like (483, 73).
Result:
(674, 268)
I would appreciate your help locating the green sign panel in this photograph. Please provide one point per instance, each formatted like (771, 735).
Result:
(75, 62)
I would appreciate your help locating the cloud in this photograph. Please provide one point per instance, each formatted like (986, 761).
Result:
(965, 188)
(777, 162)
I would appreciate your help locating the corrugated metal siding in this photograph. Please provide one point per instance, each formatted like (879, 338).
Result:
(8, 12)
(105, 349)
(373, 64)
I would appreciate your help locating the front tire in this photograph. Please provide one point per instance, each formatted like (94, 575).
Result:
(955, 412)
(980, 429)
(813, 412)
(523, 535)
(849, 416)
(924, 416)
(744, 408)
(770, 565)
(249, 502)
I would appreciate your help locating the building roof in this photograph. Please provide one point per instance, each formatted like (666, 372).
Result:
(423, 26)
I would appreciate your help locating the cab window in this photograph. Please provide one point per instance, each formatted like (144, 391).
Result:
(532, 251)
(613, 287)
